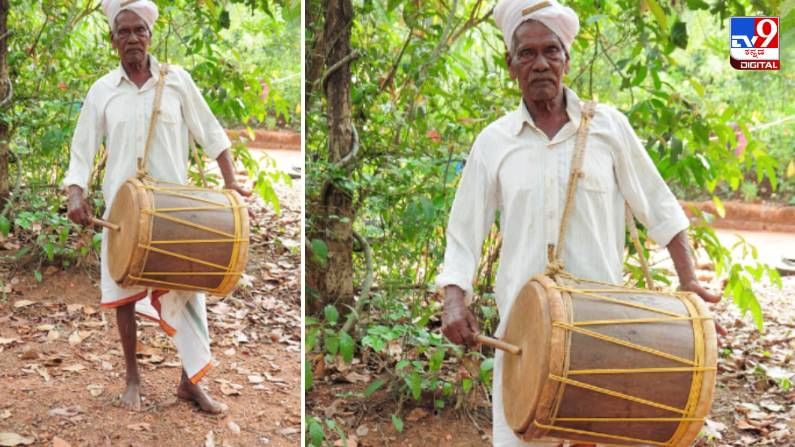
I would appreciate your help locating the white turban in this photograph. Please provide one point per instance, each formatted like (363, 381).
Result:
(145, 9)
(562, 20)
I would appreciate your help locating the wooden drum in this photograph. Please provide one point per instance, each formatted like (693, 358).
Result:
(607, 364)
(177, 237)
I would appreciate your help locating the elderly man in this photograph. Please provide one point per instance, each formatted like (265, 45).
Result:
(117, 111)
(520, 164)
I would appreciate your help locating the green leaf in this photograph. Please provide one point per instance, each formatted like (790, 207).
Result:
(398, 423)
(308, 378)
(331, 314)
(346, 347)
(5, 225)
(679, 35)
(435, 363)
(332, 343)
(414, 381)
(485, 370)
(316, 435)
(223, 19)
(320, 251)
(719, 208)
(38, 276)
(374, 386)
(659, 14)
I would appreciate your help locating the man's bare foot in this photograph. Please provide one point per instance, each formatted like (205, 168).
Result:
(131, 399)
(195, 393)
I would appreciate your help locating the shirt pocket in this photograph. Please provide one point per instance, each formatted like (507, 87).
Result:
(598, 171)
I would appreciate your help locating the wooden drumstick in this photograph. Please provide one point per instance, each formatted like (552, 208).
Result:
(105, 224)
(498, 344)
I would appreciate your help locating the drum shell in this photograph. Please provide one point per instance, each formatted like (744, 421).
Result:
(536, 399)
(177, 237)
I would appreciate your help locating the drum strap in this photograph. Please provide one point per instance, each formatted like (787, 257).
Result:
(142, 161)
(555, 252)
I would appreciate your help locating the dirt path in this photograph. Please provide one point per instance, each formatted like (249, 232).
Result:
(62, 365)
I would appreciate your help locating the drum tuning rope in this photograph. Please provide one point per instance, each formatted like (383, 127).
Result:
(695, 366)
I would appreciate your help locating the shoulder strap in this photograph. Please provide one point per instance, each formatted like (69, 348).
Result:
(143, 162)
(554, 252)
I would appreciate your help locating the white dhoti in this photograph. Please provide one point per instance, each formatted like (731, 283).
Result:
(182, 315)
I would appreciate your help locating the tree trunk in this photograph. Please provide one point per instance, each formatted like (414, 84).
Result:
(332, 213)
(5, 92)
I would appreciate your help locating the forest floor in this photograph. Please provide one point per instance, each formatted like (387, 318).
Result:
(754, 402)
(62, 367)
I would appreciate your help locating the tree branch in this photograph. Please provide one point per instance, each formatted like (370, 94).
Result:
(352, 55)
(364, 296)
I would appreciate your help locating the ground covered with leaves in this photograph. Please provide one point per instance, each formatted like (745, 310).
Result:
(63, 368)
(754, 401)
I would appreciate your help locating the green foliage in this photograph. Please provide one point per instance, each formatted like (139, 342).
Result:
(431, 75)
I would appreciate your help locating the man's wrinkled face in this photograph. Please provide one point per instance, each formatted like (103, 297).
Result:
(537, 61)
(131, 38)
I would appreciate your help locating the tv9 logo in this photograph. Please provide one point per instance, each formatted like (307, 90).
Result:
(755, 43)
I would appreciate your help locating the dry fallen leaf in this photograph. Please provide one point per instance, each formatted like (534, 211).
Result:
(53, 361)
(417, 414)
(354, 377)
(58, 442)
(289, 431)
(233, 427)
(72, 308)
(77, 367)
(95, 389)
(5, 414)
(274, 379)
(77, 337)
(66, 412)
(42, 372)
(140, 426)
(13, 439)
(209, 440)
(712, 429)
(229, 388)
(53, 335)
(23, 303)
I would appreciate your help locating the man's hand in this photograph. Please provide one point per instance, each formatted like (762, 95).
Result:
(237, 188)
(679, 248)
(458, 322)
(78, 210)
(695, 287)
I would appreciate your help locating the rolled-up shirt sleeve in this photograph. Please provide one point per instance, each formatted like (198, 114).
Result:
(201, 122)
(89, 132)
(647, 194)
(470, 219)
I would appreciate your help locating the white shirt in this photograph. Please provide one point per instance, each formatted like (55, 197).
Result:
(117, 113)
(515, 169)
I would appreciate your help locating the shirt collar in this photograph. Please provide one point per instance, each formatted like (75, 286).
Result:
(573, 109)
(119, 74)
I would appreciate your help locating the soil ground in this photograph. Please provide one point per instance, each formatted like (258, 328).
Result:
(62, 365)
(754, 401)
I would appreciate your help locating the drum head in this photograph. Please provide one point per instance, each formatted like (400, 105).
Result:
(524, 376)
(123, 250)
